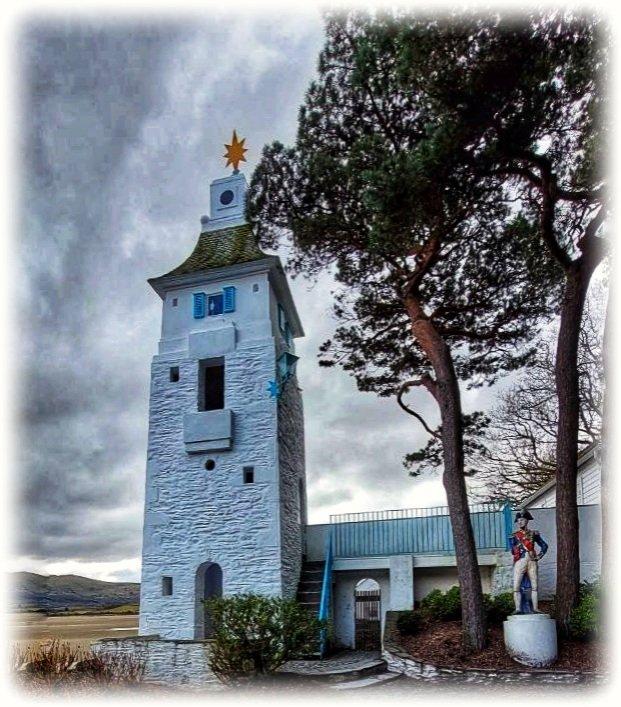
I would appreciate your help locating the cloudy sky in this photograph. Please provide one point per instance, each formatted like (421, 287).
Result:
(122, 129)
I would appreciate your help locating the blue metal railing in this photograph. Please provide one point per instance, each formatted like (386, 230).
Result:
(414, 531)
(507, 513)
(326, 595)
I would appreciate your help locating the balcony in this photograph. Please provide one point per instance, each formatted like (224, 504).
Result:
(208, 431)
(415, 531)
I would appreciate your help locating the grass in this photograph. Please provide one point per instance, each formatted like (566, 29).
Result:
(43, 668)
(122, 609)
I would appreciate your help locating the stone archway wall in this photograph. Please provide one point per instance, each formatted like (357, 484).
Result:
(206, 573)
(343, 601)
(367, 615)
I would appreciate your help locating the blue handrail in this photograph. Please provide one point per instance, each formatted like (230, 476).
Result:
(325, 600)
(507, 513)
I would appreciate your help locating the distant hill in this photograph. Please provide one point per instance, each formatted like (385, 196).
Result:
(69, 591)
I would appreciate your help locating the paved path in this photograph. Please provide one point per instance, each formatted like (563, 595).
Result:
(338, 664)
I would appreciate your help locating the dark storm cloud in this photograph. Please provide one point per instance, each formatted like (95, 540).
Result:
(86, 93)
(121, 131)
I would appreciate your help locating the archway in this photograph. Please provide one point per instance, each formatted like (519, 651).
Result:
(367, 608)
(207, 586)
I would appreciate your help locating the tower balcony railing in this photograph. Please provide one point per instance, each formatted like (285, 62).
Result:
(414, 531)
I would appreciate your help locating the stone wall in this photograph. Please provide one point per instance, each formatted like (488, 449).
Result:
(502, 574)
(426, 579)
(292, 484)
(195, 516)
(343, 601)
(178, 663)
(590, 536)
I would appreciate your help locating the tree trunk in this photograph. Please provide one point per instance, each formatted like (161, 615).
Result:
(567, 390)
(447, 394)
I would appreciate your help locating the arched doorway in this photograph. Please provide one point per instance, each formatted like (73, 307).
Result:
(367, 603)
(208, 585)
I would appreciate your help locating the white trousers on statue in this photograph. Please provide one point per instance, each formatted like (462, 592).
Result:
(525, 565)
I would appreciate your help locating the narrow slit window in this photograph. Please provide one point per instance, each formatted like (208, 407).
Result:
(282, 320)
(174, 374)
(175, 301)
(249, 475)
(211, 384)
(167, 586)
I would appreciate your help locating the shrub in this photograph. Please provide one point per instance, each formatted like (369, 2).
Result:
(56, 664)
(410, 622)
(431, 601)
(255, 635)
(499, 607)
(584, 618)
(444, 606)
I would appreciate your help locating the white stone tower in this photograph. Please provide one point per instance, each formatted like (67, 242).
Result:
(225, 503)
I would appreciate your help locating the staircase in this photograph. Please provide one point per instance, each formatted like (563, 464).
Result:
(348, 670)
(309, 588)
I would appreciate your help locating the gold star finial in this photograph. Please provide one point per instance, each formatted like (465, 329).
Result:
(235, 152)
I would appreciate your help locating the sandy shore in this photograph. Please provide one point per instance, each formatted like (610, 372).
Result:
(77, 630)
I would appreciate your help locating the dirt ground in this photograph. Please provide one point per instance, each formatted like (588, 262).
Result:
(77, 630)
(440, 644)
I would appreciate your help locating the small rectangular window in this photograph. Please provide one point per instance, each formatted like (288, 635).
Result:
(282, 320)
(175, 301)
(211, 384)
(215, 304)
(249, 475)
(255, 287)
(167, 587)
(174, 374)
(198, 305)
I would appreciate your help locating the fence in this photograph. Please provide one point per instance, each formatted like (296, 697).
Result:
(413, 531)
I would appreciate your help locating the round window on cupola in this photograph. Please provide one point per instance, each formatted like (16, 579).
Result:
(226, 197)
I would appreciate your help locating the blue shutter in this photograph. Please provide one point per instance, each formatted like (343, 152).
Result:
(229, 299)
(198, 305)
(286, 366)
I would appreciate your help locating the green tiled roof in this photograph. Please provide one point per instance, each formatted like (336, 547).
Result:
(217, 249)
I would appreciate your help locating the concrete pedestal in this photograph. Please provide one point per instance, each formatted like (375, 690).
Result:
(530, 639)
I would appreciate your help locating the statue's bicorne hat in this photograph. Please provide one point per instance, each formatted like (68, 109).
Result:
(522, 514)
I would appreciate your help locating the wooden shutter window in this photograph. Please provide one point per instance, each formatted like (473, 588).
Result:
(229, 299)
(198, 305)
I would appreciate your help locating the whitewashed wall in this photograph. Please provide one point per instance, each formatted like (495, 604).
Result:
(344, 604)
(588, 486)
(192, 515)
(170, 663)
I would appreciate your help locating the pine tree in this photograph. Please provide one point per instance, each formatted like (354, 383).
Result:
(439, 283)
(533, 93)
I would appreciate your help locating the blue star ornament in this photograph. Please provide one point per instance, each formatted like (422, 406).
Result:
(274, 389)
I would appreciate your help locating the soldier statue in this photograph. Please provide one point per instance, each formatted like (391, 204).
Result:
(525, 561)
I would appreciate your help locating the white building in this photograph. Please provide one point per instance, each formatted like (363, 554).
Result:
(225, 501)
(225, 505)
(589, 482)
